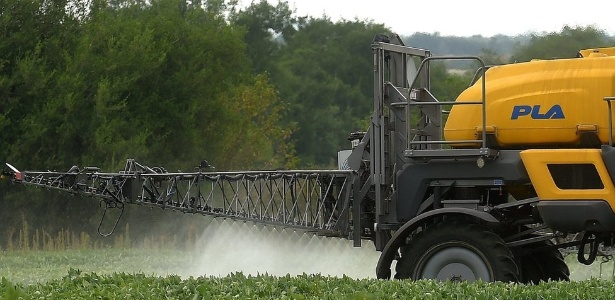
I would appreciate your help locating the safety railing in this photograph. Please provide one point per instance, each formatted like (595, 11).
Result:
(424, 148)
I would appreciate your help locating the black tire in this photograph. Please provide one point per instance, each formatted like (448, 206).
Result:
(456, 251)
(546, 265)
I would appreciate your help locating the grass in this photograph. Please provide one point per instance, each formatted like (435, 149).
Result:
(155, 272)
(30, 267)
(233, 248)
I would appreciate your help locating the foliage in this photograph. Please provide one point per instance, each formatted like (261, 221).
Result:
(320, 68)
(456, 45)
(166, 82)
(152, 82)
(495, 50)
(326, 77)
(30, 267)
(564, 44)
(78, 284)
(154, 273)
(256, 103)
(267, 29)
(446, 85)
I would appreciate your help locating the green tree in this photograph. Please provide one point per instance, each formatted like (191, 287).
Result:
(325, 74)
(167, 82)
(267, 29)
(153, 82)
(491, 57)
(447, 84)
(564, 44)
(38, 36)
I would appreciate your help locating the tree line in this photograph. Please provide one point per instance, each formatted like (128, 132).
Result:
(172, 82)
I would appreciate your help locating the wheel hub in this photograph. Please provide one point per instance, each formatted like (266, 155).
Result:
(455, 264)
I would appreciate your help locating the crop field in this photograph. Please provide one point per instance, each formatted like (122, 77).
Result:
(107, 284)
(164, 274)
(238, 261)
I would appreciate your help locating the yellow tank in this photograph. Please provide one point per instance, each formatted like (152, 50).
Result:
(549, 103)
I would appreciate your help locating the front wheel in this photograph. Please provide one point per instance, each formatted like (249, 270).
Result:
(456, 251)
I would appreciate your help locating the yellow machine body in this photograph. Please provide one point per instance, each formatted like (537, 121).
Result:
(569, 174)
(574, 187)
(541, 103)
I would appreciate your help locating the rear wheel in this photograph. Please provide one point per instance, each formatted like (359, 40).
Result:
(545, 265)
(456, 251)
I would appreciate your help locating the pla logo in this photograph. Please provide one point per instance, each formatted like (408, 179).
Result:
(535, 112)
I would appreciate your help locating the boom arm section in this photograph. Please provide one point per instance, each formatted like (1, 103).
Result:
(311, 200)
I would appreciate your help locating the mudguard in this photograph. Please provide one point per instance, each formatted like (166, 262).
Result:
(383, 268)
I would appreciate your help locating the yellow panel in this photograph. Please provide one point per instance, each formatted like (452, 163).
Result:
(538, 103)
(606, 51)
(536, 161)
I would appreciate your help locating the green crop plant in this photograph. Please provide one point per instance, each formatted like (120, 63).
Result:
(79, 285)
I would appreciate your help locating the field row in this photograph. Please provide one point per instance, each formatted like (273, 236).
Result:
(203, 274)
(77, 285)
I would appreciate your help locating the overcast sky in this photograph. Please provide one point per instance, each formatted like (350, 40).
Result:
(465, 18)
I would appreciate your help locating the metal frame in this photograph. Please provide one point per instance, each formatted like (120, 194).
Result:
(390, 84)
(414, 101)
(314, 200)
